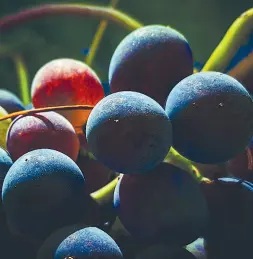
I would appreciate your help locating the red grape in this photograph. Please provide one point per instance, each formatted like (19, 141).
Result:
(67, 82)
(42, 130)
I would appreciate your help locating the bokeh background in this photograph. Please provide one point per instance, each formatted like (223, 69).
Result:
(203, 22)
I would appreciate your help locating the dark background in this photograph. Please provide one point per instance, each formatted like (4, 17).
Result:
(203, 22)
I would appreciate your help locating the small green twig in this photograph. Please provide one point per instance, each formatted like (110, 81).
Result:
(105, 193)
(98, 37)
(22, 78)
(174, 158)
(236, 35)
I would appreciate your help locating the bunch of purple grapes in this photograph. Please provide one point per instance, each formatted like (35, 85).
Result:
(55, 161)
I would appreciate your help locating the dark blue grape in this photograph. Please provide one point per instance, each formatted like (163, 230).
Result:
(230, 203)
(212, 117)
(5, 237)
(29, 106)
(91, 243)
(10, 102)
(48, 248)
(43, 191)
(150, 60)
(5, 164)
(129, 132)
(164, 205)
(164, 252)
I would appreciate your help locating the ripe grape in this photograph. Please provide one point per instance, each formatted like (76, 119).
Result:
(164, 252)
(212, 117)
(150, 60)
(10, 102)
(4, 125)
(95, 173)
(128, 245)
(48, 130)
(90, 242)
(129, 132)
(67, 82)
(48, 248)
(43, 191)
(83, 142)
(230, 203)
(5, 164)
(164, 205)
(13, 248)
(242, 164)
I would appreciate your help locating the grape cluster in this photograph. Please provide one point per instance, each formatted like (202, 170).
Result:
(97, 183)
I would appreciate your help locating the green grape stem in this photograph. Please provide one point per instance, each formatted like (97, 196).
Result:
(22, 78)
(36, 12)
(98, 36)
(105, 194)
(236, 35)
(174, 158)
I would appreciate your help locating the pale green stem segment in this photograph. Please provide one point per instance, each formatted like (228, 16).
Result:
(23, 81)
(105, 194)
(98, 37)
(236, 35)
(174, 158)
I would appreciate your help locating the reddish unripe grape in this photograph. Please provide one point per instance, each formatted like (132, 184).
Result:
(48, 130)
(242, 165)
(67, 82)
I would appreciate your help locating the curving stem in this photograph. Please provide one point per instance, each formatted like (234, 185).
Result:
(22, 78)
(98, 37)
(236, 35)
(13, 20)
(47, 109)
